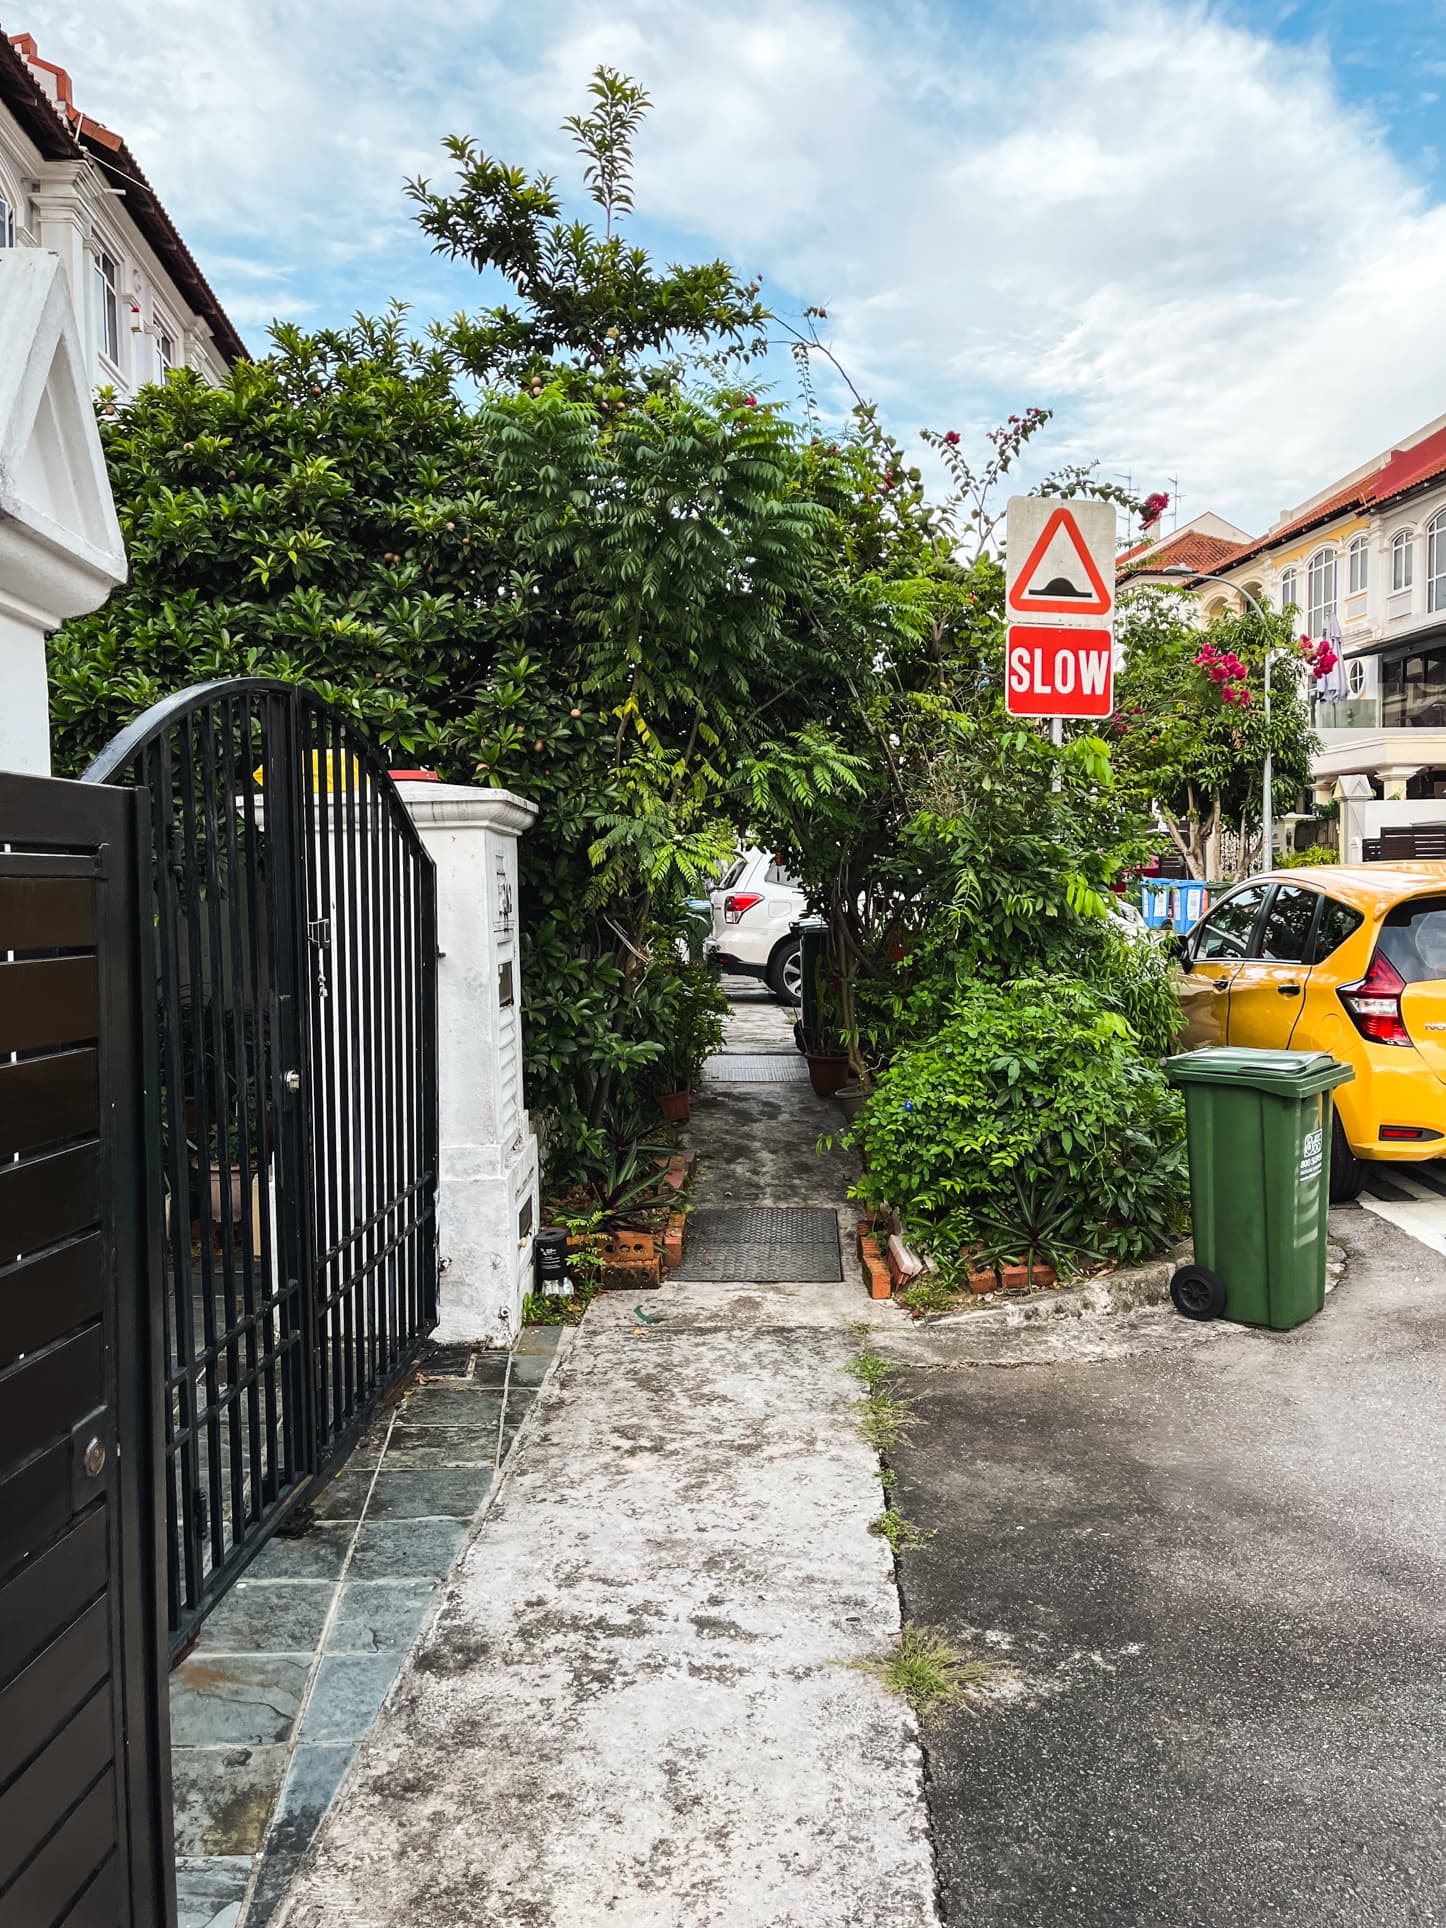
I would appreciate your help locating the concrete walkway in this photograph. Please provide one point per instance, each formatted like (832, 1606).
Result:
(635, 1706)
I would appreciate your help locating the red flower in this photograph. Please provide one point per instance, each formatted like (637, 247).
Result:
(952, 438)
(750, 401)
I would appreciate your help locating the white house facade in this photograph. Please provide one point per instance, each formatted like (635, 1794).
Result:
(1362, 562)
(70, 186)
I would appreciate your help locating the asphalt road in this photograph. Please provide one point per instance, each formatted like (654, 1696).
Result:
(1219, 1571)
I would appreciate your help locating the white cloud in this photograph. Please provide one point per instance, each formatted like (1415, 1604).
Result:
(1167, 227)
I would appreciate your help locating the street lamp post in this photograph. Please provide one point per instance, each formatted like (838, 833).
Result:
(1267, 802)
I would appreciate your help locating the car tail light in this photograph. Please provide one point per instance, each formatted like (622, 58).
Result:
(734, 906)
(1407, 1134)
(1374, 1003)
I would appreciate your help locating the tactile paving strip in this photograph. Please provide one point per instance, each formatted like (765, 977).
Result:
(761, 1245)
(755, 1067)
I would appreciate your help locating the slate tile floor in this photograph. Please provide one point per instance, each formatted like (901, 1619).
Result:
(291, 1668)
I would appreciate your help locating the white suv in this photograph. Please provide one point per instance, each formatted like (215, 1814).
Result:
(754, 903)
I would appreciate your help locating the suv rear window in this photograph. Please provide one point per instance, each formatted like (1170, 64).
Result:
(1413, 937)
(731, 875)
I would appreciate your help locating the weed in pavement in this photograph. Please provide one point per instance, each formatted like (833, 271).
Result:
(883, 1420)
(928, 1671)
(928, 1295)
(870, 1370)
(901, 1534)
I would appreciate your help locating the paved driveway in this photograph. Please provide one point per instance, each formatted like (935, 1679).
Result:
(1220, 1570)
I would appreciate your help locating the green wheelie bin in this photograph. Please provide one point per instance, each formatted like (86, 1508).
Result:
(1258, 1129)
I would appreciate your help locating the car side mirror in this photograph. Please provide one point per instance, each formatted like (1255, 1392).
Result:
(1180, 950)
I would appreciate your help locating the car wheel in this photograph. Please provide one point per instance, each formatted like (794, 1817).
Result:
(1198, 1292)
(785, 972)
(1348, 1173)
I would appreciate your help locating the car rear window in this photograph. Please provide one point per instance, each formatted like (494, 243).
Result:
(1413, 937)
(1338, 921)
(731, 875)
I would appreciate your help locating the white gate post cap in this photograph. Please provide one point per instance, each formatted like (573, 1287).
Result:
(451, 806)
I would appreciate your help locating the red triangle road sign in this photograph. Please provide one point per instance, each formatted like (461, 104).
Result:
(1062, 594)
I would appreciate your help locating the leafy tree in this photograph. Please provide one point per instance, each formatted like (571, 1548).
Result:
(586, 304)
(1189, 732)
(583, 589)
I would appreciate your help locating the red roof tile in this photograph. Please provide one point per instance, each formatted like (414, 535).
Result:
(1407, 468)
(1190, 550)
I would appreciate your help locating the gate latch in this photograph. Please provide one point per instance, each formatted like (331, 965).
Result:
(318, 933)
(292, 1080)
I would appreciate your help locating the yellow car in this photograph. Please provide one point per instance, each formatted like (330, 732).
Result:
(1345, 959)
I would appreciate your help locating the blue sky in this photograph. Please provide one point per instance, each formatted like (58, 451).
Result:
(1212, 237)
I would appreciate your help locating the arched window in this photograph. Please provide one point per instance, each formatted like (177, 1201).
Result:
(7, 218)
(1359, 552)
(1436, 562)
(1215, 609)
(1403, 555)
(1289, 594)
(1320, 591)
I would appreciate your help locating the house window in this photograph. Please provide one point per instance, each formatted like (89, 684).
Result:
(1288, 595)
(165, 352)
(1436, 562)
(1320, 588)
(108, 305)
(7, 223)
(1358, 554)
(1402, 561)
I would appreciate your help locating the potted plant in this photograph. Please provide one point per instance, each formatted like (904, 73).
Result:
(820, 1029)
(695, 1034)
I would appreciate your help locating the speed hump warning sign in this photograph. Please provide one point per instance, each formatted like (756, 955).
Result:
(1060, 598)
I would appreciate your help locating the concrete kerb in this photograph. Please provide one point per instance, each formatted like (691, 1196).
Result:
(1130, 1288)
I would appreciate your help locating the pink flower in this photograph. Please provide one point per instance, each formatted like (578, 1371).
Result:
(952, 438)
(750, 401)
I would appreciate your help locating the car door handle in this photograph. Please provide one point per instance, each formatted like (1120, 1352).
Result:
(1288, 990)
(1222, 984)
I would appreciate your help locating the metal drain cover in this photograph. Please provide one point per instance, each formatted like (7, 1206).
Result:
(755, 1067)
(763, 1245)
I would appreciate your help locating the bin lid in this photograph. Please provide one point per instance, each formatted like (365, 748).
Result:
(1284, 1074)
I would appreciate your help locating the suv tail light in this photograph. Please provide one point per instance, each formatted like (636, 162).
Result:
(1374, 1003)
(734, 906)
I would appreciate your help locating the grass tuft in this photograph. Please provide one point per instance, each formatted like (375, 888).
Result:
(870, 1370)
(901, 1534)
(929, 1672)
(926, 1295)
(883, 1421)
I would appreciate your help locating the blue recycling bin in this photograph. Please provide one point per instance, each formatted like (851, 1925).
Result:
(1173, 903)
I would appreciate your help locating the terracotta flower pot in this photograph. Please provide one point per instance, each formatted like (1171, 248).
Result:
(826, 1074)
(674, 1105)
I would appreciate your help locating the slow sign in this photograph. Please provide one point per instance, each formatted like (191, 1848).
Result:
(1059, 672)
(1060, 595)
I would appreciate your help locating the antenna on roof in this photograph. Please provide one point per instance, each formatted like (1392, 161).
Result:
(1174, 482)
(1125, 476)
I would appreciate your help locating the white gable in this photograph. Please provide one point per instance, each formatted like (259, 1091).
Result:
(60, 543)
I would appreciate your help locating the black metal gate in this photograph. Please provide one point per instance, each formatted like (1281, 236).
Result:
(85, 1836)
(293, 923)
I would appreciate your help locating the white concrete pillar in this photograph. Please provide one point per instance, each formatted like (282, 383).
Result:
(60, 544)
(487, 1199)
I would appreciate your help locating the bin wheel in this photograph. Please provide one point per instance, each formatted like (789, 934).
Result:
(1198, 1293)
(1348, 1173)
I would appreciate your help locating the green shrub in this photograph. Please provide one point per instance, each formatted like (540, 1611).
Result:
(1309, 858)
(1031, 1126)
